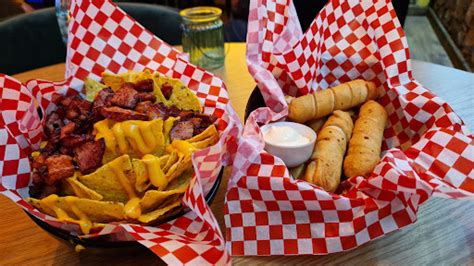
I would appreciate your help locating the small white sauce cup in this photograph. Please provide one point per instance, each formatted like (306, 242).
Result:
(291, 155)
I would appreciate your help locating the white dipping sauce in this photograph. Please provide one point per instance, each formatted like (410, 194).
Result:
(283, 135)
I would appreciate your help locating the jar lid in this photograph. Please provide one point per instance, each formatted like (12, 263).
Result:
(201, 14)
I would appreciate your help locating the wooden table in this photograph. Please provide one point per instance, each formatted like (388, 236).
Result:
(443, 234)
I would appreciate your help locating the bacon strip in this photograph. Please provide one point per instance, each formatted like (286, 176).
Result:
(182, 130)
(120, 114)
(88, 156)
(59, 167)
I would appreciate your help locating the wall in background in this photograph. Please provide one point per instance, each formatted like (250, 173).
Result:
(457, 16)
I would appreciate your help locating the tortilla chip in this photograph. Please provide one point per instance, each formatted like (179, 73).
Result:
(108, 183)
(168, 125)
(172, 159)
(142, 175)
(132, 137)
(80, 190)
(206, 142)
(181, 95)
(98, 211)
(145, 74)
(184, 162)
(152, 217)
(115, 82)
(142, 182)
(171, 214)
(41, 207)
(210, 131)
(94, 210)
(93, 87)
(154, 198)
(182, 180)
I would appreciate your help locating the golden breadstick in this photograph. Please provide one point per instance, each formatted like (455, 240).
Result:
(297, 171)
(316, 124)
(326, 166)
(324, 102)
(366, 142)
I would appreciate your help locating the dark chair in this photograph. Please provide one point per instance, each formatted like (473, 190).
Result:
(33, 40)
(162, 21)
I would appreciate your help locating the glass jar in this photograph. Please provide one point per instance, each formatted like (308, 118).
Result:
(62, 14)
(203, 36)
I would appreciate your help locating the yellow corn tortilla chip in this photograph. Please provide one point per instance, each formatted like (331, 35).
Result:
(132, 137)
(152, 217)
(145, 74)
(154, 198)
(94, 210)
(116, 81)
(181, 95)
(206, 142)
(168, 125)
(184, 162)
(142, 176)
(210, 131)
(142, 182)
(112, 180)
(113, 81)
(182, 180)
(80, 190)
(93, 87)
(165, 217)
(172, 159)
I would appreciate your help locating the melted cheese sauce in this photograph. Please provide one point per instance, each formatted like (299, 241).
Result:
(155, 173)
(141, 137)
(84, 222)
(117, 169)
(132, 208)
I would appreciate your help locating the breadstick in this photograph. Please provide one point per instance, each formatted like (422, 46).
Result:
(324, 102)
(326, 166)
(316, 124)
(366, 142)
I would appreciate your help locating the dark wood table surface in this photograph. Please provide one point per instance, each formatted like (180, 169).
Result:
(443, 234)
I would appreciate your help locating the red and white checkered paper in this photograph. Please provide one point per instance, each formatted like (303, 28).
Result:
(104, 38)
(427, 150)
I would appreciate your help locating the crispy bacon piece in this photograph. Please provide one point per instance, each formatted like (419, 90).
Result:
(37, 178)
(144, 96)
(40, 191)
(182, 130)
(74, 140)
(56, 98)
(65, 101)
(154, 111)
(67, 129)
(38, 161)
(102, 99)
(76, 107)
(143, 107)
(125, 97)
(167, 90)
(53, 122)
(145, 85)
(59, 167)
(120, 114)
(89, 155)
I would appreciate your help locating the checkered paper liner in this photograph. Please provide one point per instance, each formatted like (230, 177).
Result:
(427, 150)
(104, 38)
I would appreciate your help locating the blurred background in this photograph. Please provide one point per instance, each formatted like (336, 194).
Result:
(438, 31)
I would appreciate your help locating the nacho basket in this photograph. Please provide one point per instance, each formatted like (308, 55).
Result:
(101, 38)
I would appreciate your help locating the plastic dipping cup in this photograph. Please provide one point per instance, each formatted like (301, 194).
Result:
(291, 154)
